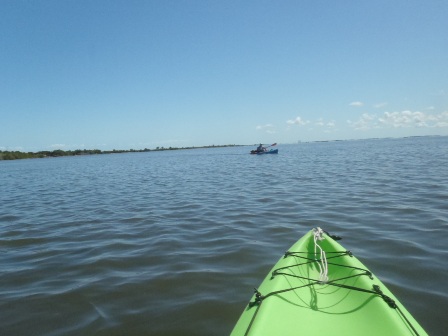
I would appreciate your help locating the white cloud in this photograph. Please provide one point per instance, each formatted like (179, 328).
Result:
(319, 124)
(400, 119)
(356, 104)
(322, 123)
(366, 121)
(268, 128)
(403, 119)
(298, 121)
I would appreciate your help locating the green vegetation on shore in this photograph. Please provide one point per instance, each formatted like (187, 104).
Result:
(15, 155)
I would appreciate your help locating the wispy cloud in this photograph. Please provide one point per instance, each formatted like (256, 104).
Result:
(298, 121)
(356, 104)
(380, 105)
(268, 128)
(366, 121)
(11, 149)
(400, 119)
(58, 146)
(321, 124)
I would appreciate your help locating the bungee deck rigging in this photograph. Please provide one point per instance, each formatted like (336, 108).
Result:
(340, 297)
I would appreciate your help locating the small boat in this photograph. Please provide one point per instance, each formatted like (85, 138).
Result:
(272, 151)
(320, 288)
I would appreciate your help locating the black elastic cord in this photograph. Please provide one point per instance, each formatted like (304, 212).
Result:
(376, 289)
(259, 298)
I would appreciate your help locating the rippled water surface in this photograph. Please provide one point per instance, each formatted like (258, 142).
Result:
(172, 243)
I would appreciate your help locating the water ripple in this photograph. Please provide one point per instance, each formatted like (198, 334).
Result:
(172, 243)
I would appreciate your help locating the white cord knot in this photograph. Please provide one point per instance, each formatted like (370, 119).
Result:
(322, 261)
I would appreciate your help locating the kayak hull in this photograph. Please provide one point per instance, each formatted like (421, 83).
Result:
(293, 300)
(272, 151)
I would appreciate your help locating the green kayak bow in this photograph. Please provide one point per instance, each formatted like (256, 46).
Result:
(320, 288)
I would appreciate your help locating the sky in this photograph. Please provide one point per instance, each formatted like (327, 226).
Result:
(108, 74)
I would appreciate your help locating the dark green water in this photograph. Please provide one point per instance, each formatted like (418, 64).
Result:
(172, 243)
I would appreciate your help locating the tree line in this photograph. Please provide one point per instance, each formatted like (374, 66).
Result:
(15, 155)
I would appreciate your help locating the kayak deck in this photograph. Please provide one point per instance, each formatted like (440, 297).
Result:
(296, 299)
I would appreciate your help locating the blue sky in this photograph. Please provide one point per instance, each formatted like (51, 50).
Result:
(141, 74)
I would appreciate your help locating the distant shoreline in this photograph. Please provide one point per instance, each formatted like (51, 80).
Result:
(17, 155)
